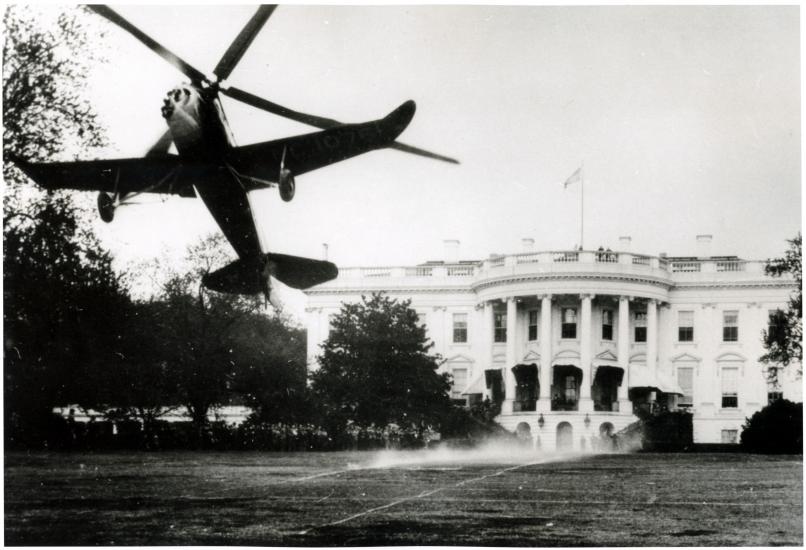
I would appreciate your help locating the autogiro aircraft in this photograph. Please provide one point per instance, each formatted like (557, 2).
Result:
(209, 165)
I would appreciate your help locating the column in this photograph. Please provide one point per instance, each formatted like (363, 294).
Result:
(512, 336)
(585, 356)
(623, 350)
(313, 337)
(544, 399)
(652, 336)
(487, 343)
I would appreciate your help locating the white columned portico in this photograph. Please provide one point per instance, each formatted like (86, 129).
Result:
(544, 399)
(652, 336)
(623, 351)
(509, 376)
(585, 355)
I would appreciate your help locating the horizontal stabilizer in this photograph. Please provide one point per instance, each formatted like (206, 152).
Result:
(239, 277)
(252, 276)
(299, 272)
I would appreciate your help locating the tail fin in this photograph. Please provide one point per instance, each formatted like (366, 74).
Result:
(252, 276)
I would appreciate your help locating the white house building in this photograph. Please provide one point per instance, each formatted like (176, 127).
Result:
(571, 343)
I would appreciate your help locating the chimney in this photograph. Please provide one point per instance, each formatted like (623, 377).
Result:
(527, 244)
(324, 251)
(451, 251)
(704, 246)
(624, 244)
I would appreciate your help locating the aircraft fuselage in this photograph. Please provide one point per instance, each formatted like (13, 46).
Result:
(201, 134)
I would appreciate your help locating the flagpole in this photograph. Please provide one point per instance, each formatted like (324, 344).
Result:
(582, 206)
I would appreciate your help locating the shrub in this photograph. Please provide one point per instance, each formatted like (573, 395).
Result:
(775, 429)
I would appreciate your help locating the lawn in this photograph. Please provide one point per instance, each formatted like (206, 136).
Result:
(505, 498)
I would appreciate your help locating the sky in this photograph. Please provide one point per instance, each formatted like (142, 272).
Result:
(686, 119)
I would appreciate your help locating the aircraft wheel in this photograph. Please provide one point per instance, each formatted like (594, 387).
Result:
(287, 185)
(106, 207)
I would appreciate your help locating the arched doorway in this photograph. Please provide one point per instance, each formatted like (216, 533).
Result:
(565, 436)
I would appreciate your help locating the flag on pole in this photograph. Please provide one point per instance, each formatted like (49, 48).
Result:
(573, 178)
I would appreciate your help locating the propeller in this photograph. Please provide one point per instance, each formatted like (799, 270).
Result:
(225, 67)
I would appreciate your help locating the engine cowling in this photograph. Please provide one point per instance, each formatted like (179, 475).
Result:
(106, 207)
(287, 185)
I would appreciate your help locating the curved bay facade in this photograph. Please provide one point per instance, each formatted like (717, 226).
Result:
(572, 343)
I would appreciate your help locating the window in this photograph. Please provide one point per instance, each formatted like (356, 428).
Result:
(730, 436)
(730, 326)
(773, 396)
(776, 325)
(533, 325)
(640, 326)
(730, 387)
(569, 324)
(500, 330)
(774, 392)
(607, 324)
(685, 326)
(459, 383)
(685, 379)
(459, 328)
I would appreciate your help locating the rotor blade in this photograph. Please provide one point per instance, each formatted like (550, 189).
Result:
(241, 43)
(317, 121)
(421, 152)
(274, 108)
(160, 148)
(113, 16)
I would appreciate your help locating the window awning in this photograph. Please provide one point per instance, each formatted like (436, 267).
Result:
(478, 385)
(642, 377)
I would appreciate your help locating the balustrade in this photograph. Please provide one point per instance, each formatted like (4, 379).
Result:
(587, 260)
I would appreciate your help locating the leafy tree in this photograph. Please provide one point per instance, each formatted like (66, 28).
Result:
(777, 428)
(198, 328)
(61, 314)
(61, 297)
(376, 369)
(47, 57)
(272, 373)
(783, 341)
(136, 382)
(224, 347)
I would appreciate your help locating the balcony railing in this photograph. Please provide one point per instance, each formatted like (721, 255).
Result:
(730, 265)
(461, 271)
(419, 271)
(524, 405)
(565, 260)
(686, 267)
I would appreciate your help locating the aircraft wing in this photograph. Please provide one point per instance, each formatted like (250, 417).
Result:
(164, 174)
(307, 152)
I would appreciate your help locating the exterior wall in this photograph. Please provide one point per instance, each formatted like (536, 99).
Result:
(527, 282)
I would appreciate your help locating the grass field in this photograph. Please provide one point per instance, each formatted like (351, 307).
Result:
(458, 498)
